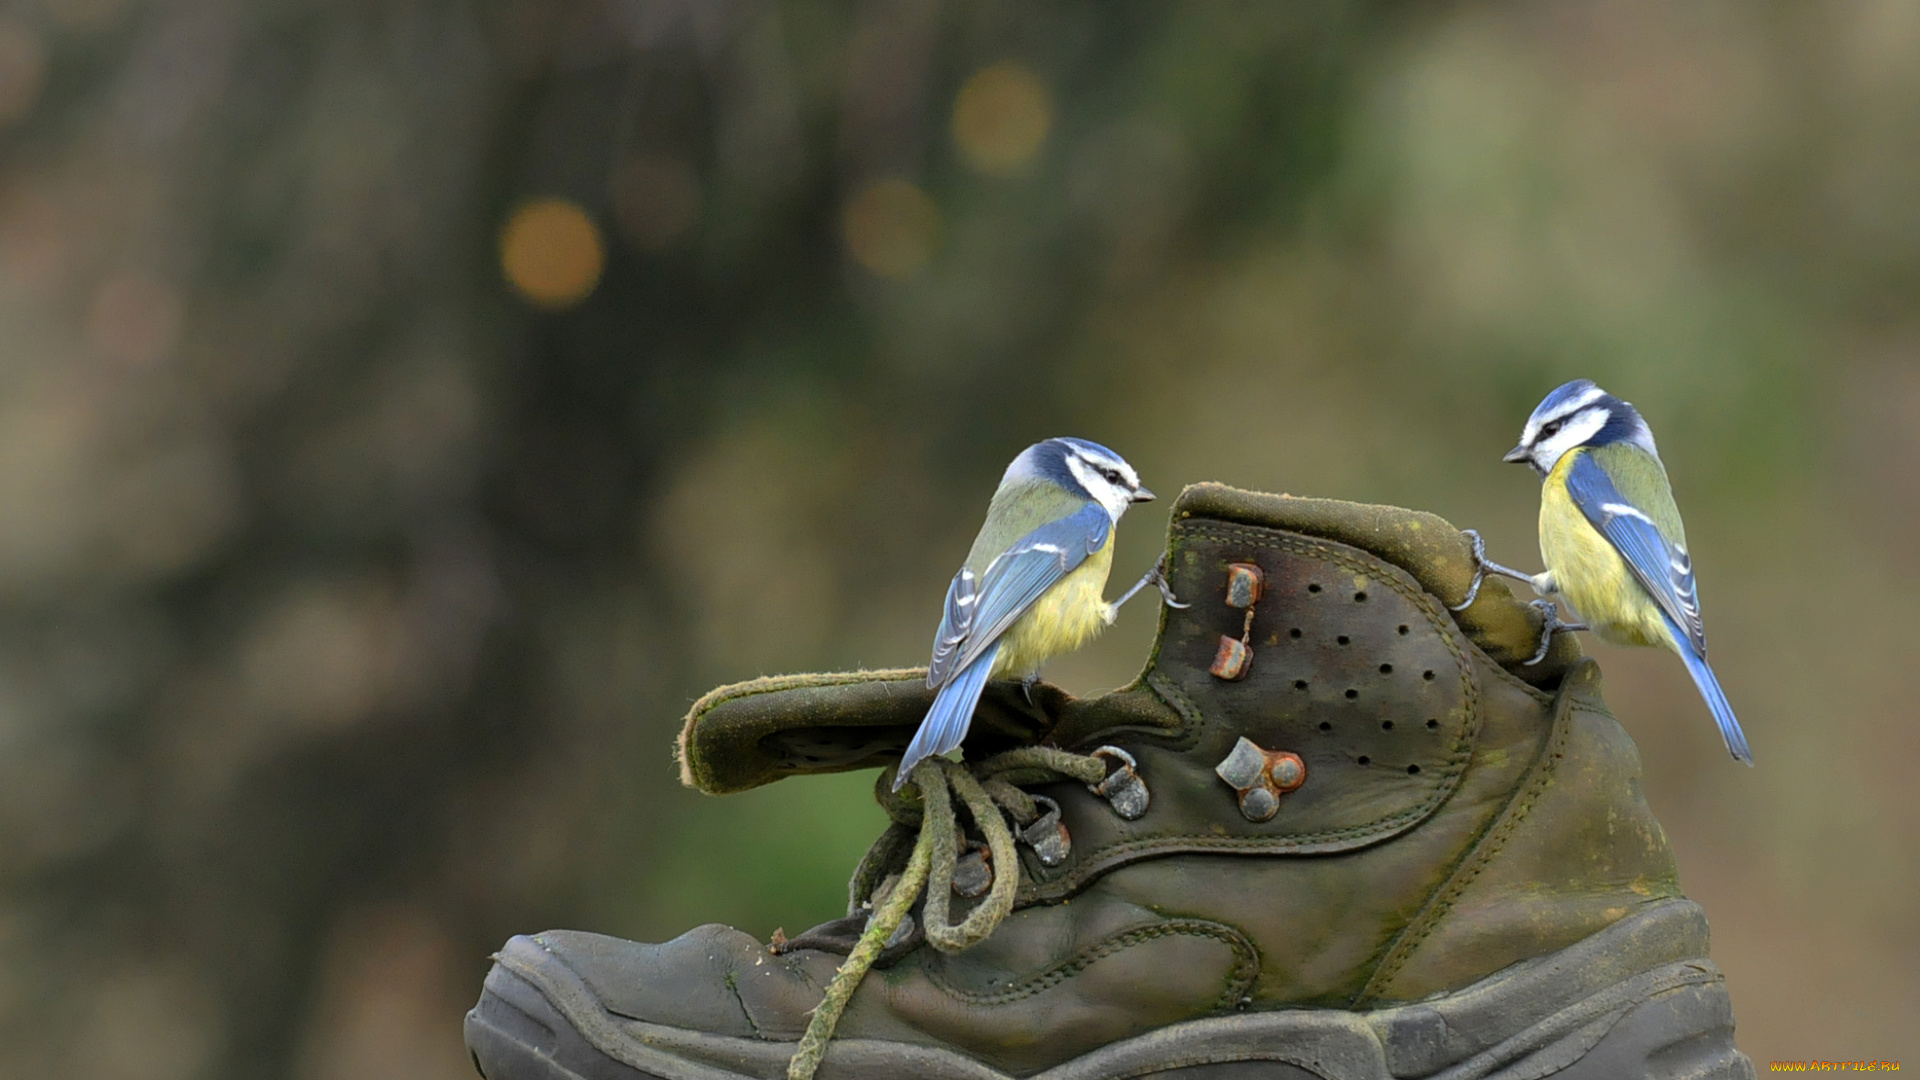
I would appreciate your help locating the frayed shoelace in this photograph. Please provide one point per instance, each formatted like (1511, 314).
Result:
(990, 793)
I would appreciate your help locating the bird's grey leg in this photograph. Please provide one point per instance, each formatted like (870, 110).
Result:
(1156, 577)
(1550, 625)
(1482, 567)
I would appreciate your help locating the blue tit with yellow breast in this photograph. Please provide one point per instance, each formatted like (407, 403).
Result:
(1611, 535)
(1032, 586)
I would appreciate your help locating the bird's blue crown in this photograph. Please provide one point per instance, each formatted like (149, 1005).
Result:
(1624, 422)
(1048, 460)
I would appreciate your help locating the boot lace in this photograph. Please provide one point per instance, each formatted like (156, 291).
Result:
(927, 830)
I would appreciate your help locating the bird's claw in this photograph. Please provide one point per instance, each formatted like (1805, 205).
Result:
(1482, 566)
(1479, 569)
(1158, 575)
(1550, 625)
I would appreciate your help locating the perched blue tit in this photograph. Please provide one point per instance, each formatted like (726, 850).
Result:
(1611, 536)
(1032, 586)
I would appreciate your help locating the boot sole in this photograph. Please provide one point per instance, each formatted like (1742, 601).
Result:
(1567, 1015)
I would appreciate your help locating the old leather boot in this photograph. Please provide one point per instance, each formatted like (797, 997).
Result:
(1336, 831)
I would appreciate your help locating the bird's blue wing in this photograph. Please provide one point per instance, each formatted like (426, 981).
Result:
(1025, 571)
(1662, 567)
(1665, 570)
(956, 624)
(980, 610)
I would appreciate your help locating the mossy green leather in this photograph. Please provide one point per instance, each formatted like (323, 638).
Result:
(1461, 813)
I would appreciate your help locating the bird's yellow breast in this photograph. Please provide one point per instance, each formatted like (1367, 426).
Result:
(1591, 574)
(1065, 617)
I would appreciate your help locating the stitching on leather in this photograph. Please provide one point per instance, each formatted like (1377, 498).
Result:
(1447, 630)
(1478, 858)
(1417, 595)
(1206, 842)
(1239, 978)
(1499, 669)
(1454, 767)
(1444, 626)
(1192, 721)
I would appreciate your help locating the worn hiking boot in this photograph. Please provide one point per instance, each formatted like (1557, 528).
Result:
(1334, 830)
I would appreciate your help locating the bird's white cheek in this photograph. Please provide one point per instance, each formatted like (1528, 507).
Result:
(1549, 453)
(1574, 433)
(1083, 474)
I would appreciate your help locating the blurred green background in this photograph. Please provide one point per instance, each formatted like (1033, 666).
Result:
(407, 407)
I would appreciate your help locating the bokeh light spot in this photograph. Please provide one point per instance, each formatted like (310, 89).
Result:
(892, 228)
(23, 69)
(656, 199)
(551, 252)
(1001, 117)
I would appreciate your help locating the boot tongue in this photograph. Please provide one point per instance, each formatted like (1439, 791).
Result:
(747, 734)
(1426, 546)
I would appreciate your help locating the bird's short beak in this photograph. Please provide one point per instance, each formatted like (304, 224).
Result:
(1518, 455)
(1142, 495)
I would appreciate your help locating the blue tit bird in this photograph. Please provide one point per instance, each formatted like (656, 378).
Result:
(1032, 586)
(1611, 536)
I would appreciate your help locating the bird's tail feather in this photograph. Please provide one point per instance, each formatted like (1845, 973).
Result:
(1716, 700)
(952, 712)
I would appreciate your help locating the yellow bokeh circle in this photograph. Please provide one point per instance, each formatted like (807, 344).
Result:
(552, 253)
(1001, 118)
(892, 228)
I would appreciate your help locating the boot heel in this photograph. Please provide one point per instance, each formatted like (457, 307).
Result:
(1680, 1033)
